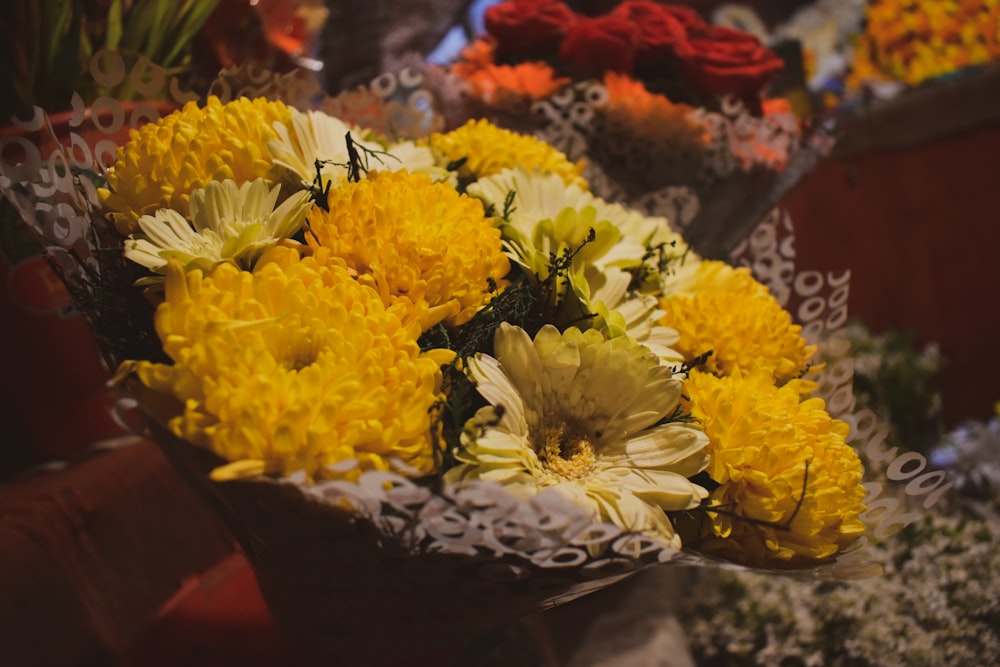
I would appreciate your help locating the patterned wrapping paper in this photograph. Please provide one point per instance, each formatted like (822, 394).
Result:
(430, 555)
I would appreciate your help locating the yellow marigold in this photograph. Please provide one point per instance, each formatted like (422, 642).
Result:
(726, 311)
(295, 367)
(488, 149)
(164, 161)
(414, 241)
(779, 460)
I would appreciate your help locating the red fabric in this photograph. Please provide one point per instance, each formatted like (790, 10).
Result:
(90, 552)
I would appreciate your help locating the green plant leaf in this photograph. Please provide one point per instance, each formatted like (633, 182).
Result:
(114, 34)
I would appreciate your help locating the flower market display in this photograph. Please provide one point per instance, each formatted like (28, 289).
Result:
(438, 382)
(914, 42)
(669, 112)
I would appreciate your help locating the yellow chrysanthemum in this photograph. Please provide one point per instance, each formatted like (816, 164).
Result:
(726, 311)
(779, 460)
(414, 241)
(488, 149)
(295, 367)
(164, 161)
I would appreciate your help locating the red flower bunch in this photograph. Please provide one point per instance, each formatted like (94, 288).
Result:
(637, 36)
(528, 28)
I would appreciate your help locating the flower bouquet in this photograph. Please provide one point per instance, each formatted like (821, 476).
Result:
(668, 111)
(435, 384)
(911, 43)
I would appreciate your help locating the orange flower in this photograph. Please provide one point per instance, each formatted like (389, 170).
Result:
(651, 116)
(498, 84)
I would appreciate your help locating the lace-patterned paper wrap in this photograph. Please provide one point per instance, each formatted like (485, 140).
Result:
(715, 174)
(433, 563)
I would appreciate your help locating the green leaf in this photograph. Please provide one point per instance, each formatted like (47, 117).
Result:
(114, 34)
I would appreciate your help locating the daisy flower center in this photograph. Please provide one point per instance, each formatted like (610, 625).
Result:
(566, 451)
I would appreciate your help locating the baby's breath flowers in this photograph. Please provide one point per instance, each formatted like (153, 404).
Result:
(723, 310)
(414, 241)
(487, 149)
(229, 223)
(790, 486)
(163, 162)
(296, 367)
(586, 416)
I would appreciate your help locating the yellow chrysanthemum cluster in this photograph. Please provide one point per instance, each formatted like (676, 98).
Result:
(164, 161)
(488, 150)
(726, 311)
(295, 367)
(916, 41)
(416, 242)
(779, 460)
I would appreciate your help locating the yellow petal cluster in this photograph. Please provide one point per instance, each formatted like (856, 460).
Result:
(164, 161)
(761, 439)
(488, 149)
(725, 310)
(295, 367)
(414, 241)
(916, 41)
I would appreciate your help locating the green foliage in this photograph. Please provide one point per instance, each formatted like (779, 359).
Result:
(47, 46)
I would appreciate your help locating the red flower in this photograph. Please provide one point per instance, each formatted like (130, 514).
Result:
(597, 45)
(528, 28)
(721, 60)
(687, 17)
(659, 32)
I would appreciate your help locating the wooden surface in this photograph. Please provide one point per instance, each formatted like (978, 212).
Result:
(920, 230)
(933, 112)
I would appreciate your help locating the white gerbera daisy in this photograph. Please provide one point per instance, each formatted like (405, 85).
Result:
(229, 223)
(547, 218)
(542, 196)
(317, 136)
(584, 415)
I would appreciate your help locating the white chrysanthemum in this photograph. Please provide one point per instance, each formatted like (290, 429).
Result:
(581, 414)
(315, 135)
(229, 223)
